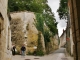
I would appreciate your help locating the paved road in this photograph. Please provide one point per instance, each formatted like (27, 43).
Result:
(57, 55)
(61, 50)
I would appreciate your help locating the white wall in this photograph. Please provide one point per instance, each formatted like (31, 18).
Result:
(62, 40)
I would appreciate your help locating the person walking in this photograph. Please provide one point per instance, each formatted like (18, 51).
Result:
(23, 50)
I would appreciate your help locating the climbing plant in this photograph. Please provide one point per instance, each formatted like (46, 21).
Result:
(47, 26)
(39, 22)
(39, 51)
(52, 25)
(47, 36)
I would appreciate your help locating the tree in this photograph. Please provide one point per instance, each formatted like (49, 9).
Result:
(46, 25)
(29, 5)
(63, 9)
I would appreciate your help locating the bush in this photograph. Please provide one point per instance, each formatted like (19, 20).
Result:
(17, 53)
(39, 53)
(29, 53)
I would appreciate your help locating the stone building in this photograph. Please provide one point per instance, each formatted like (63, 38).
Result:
(74, 6)
(63, 39)
(5, 32)
(66, 39)
(69, 40)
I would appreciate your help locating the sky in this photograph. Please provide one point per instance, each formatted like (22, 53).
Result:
(54, 5)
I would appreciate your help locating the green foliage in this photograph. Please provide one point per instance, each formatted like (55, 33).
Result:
(17, 53)
(29, 5)
(36, 53)
(37, 6)
(50, 20)
(39, 22)
(51, 23)
(46, 25)
(29, 53)
(39, 46)
(39, 53)
(63, 9)
(47, 36)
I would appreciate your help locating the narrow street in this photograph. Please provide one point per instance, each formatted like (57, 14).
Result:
(57, 55)
(41, 29)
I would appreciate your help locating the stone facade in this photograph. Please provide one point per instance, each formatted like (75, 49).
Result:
(5, 32)
(53, 44)
(69, 40)
(63, 39)
(75, 25)
(69, 35)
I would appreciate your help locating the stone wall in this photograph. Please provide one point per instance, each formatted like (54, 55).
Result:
(56, 42)
(5, 32)
(70, 32)
(71, 40)
(75, 25)
(29, 29)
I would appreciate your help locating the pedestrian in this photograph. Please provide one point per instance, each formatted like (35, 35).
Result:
(13, 50)
(23, 50)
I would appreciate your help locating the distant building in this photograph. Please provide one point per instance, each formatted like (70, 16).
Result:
(63, 39)
(69, 39)
(74, 10)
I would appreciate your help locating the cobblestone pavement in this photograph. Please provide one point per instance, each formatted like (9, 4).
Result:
(54, 56)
